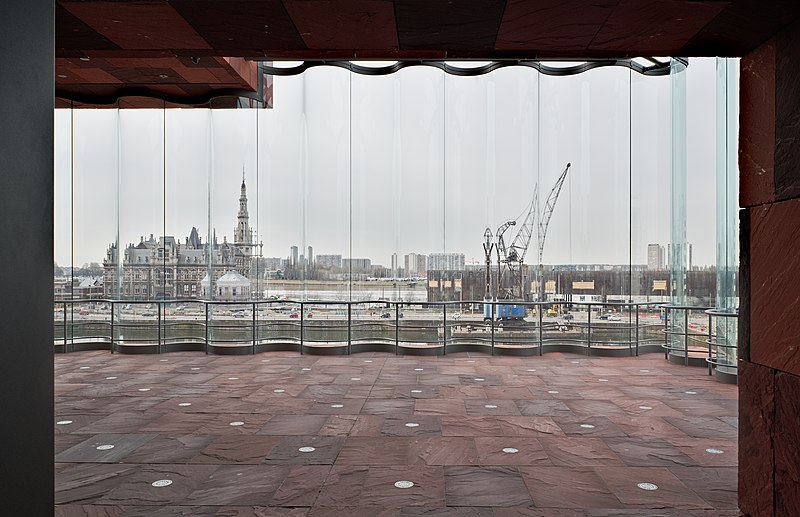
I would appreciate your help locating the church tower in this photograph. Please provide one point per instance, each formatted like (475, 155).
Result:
(243, 236)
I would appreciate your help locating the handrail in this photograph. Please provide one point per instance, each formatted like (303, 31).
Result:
(713, 345)
(434, 325)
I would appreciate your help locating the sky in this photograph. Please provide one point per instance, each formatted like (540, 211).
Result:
(418, 161)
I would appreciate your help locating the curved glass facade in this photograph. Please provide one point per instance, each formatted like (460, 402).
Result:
(358, 186)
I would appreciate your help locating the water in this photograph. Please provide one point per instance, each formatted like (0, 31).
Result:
(398, 294)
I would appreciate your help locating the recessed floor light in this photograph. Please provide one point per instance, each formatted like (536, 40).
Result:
(575, 362)
(587, 426)
(412, 424)
(64, 422)
(355, 378)
(184, 404)
(648, 486)
(645, 371)
(236, 424)
(85, 367)
(265, 360)
(162, 482)
(104, 447)
(510, 450)
(479, 379)
(144, 389)
(110, 378)
(278, 391)
(690, 392)
(306, 369)
(490, 406)
(403, 484)
(163, 360)
(337, 405)
(645, 407)
(368, 361)
(471, 361)
(602, 380)
(531, 369)
(195, 368)
(552, 392)
(714, 451)
(306, 449)
(418, 369)
(416, 391)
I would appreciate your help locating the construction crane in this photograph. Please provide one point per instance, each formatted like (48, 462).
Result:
(514, 256)
(544, 222)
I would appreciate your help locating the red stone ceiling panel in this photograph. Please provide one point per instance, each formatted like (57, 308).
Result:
(654, 26)
(72, 35)
(138, 25)
(466, 25)
(242, 25)
(350, 24)
(541, 25)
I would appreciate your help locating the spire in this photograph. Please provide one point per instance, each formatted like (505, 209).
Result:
(242, 234)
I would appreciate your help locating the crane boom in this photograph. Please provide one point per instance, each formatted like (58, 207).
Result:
(547, 212)
(519, 246)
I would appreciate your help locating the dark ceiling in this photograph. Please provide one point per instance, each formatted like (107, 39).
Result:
(193, 48)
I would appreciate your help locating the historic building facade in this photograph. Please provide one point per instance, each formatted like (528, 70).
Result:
(166, 268)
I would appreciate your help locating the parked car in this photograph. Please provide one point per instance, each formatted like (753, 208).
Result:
(294, 315)
(386, 315)
(309, 315)
(457, 316)
(569, 316)
(614, 317)
(604, 316)
(148, 313)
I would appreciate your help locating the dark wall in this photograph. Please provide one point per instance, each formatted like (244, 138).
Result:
(769, 329)
(26, 219)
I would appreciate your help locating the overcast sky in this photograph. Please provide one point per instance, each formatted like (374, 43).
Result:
(418, 161)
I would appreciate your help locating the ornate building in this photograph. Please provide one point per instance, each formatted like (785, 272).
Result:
(167, 268)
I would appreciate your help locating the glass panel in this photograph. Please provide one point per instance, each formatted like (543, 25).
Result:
(233, 188)
(141, 203)
(280, 189)
(326, 179)
(187, 195)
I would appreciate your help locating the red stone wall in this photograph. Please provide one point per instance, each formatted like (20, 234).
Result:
(769, 336)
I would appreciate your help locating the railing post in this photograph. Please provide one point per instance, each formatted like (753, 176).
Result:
(444, 328)
(206, 304)
(686, 337)
(541, 330)
(349, 328)
(710, 338)
(492, 324)
(589, 331)
(65, 326)
(637, 331)
(396, 327)
(158, 304)
(254, 328)
(302, 326)
(667, 341)
(112, 326)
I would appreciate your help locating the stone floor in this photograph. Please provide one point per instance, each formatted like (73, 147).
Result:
(559, 435)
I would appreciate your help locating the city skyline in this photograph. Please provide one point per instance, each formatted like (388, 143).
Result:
(418, 175)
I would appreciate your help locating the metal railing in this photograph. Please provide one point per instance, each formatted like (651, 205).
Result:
(689, 337)
(713, 359)
(345, 327)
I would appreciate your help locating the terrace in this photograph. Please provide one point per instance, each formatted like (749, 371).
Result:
(290, 434)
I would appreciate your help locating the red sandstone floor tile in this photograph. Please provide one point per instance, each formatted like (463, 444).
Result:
(585, 431)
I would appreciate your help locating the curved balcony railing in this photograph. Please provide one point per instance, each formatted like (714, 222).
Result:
(722, 347)
(690, 338)
(344, 327)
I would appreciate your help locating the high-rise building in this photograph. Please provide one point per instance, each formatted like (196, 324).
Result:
(294, 255)
(328, 261)
(310, 256)
(357, 264)
(655, 257)
(416, 264)
(446, 261)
